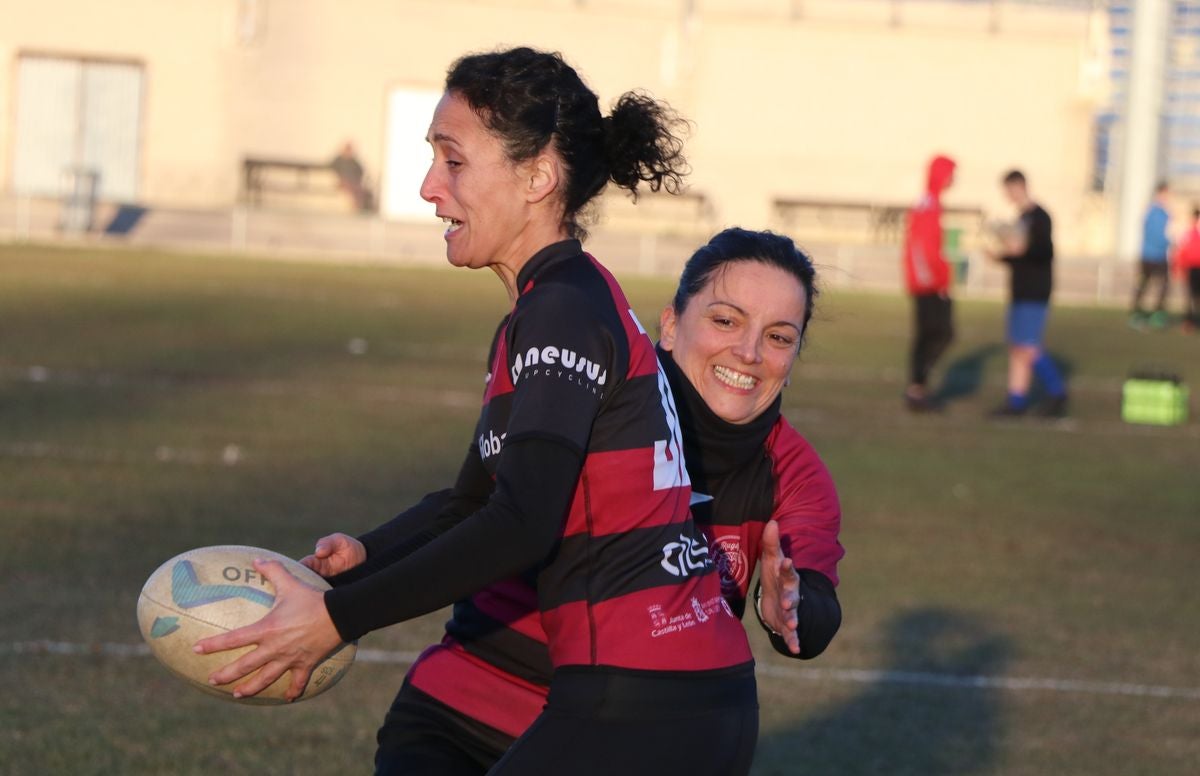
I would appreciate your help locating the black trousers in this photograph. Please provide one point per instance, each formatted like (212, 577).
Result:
(933, 331)
(1151, 272)
(421, 736)
(1193, 278)
(601, 721)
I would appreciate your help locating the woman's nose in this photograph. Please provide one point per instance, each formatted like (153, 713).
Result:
(748, 349)
(431, 187)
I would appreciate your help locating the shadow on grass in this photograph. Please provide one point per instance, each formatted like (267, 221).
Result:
(905, 723)
(964, 376)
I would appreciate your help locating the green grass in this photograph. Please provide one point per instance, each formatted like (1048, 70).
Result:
(1026, 549)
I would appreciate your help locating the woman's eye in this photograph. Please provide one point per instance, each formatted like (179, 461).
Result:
(782, 340)
(453, 163)
(724, 323)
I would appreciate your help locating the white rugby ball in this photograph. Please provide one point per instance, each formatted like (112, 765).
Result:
(211, 590)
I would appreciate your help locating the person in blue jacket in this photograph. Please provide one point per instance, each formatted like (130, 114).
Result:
(1156, 247)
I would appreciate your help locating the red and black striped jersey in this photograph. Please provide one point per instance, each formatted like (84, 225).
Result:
(574, 366)
(577, 472)
(494, 666)
(805, 506)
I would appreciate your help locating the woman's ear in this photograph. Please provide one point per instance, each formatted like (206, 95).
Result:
(543, 175)
(667, 322)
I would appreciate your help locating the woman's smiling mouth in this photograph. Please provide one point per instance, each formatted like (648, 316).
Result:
(735, 379)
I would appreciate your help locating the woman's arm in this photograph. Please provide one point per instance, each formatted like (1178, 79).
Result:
(545, 440)
(429, 518)
(515, 531)
(341, 558)
(802, 622)
(537, 471)
(797, 602)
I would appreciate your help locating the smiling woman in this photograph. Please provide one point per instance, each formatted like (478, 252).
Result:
(730, 338)
(738, 318)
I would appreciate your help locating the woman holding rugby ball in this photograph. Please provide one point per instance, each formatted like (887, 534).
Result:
(576, 468)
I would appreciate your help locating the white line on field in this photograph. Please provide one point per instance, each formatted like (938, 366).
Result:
(229, 455)
(379, 392)
(847, 675)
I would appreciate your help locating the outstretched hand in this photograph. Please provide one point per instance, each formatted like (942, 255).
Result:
(295, 635)
(780, 589)
(335, 554)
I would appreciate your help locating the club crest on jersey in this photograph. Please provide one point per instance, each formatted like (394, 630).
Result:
(685, 557)
(732, 565)
(558, 362)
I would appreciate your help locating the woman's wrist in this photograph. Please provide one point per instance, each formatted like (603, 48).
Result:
(758, 610)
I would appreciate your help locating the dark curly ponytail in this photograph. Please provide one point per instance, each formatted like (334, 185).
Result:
(641, 144)
(531, 99)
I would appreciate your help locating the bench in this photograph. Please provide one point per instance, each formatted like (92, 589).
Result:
(262, 175)
(859, 220)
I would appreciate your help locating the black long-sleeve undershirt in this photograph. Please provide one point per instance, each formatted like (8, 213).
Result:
(420, 524)
(516, 530)
(819, 616)
(414, 527)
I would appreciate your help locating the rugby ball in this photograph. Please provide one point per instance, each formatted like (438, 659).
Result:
(210, 590)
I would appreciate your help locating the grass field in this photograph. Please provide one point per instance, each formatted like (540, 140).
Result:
(152, 403)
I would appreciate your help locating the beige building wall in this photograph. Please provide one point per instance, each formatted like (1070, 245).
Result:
(186, 49)
(813, 99)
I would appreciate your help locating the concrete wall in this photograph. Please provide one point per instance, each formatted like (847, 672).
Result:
(840, 99)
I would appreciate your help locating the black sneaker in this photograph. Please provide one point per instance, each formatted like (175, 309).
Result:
(1055, 407)
(1007, 410)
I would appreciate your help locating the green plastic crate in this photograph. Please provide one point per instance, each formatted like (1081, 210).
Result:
(955, 255)
(1161, 401)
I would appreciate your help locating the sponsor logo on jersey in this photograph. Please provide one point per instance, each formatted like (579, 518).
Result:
(559, 362)
(732, 564)
(490, 444)
(697, 612)
(685, 557)
(657, 618)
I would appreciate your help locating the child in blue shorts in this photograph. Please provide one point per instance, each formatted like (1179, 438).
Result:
(1029, 254)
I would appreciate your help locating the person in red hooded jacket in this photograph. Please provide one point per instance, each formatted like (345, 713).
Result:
(928, 278)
